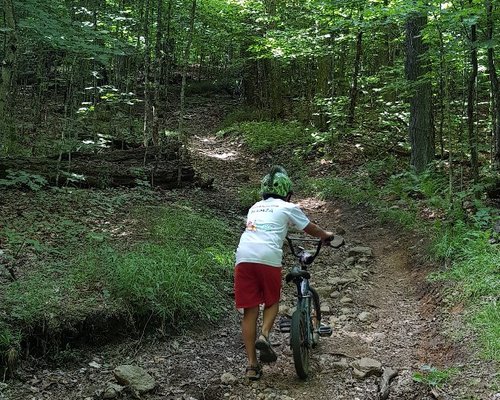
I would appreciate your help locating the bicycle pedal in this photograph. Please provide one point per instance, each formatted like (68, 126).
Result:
(325, 330)
(285, 325)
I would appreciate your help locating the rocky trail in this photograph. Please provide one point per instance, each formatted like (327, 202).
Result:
(374, 295)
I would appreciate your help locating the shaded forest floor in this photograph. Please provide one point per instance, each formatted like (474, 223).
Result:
(405, 325)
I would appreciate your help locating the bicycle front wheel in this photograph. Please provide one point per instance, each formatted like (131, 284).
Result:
(315, 316)
(299, 342)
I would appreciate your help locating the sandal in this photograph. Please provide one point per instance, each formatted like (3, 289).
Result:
(267, 354)
(253, 372)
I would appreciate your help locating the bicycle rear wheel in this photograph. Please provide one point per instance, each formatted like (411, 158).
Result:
(299, 342)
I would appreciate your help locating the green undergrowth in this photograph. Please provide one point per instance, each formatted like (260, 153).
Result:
(264, 136)
(459, 239)
(168, 266)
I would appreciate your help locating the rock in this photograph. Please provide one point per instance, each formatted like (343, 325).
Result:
(325, 309)
(360, 251)
(135, 377)
(336, 281)
(365, 367)
(112, 391)
(345, 300)
(95, 364)
(324, 291)
(366, 316)
(227, 378)
(340, 365)
(335, 294)
(284, 310)
(350, 261)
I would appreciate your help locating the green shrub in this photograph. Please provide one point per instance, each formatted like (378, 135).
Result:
(179, 272)
(23, 179)
(268, 136)
(248, 196)
(486, 321)
(245, 114)
(434, 377)
(178, 277)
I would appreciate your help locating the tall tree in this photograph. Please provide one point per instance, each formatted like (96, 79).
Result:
(353, 95)
(7, 64)
(471, 100)
(421, 133)
(495, 86)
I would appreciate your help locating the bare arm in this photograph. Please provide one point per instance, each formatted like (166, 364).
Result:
(316, 231)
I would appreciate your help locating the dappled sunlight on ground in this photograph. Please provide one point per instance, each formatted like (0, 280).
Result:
(310, 203)
(214, 151)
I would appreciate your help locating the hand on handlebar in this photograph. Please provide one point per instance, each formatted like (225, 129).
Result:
(334, 241)
(327, 240)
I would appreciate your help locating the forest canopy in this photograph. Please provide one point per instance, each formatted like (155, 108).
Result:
(422, 74)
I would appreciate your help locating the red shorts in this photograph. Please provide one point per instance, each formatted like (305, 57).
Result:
(256, 284)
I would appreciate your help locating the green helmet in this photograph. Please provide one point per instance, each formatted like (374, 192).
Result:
(276, 182)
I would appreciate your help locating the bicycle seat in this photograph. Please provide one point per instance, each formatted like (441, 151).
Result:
(297, 273)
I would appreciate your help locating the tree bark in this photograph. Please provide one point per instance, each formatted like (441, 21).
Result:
(187, 50)
(7, 69)
(495, 89)
(421, 133)
(116, 168)
(471, 100)
(353, 96)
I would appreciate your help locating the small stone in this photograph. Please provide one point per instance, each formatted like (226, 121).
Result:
(350, 261)
(345, 300)
(112, 391)
(365, 367)
(227, 378)
(342, 364)
(335, 294)
(325, 308)
(135, 377)
(336, 281)
(366, 316)
(284, 310)
(360, 251)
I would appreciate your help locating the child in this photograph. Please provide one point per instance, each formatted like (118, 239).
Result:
(257, 278)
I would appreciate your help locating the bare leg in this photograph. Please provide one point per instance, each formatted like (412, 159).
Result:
(269, 316)
(249, 333)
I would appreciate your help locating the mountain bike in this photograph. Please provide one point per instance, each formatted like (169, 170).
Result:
(305, 326)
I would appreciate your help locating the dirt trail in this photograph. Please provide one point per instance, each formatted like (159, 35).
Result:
(208, 363)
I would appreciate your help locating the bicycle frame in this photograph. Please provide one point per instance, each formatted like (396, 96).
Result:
(305, 327)
(300, 277)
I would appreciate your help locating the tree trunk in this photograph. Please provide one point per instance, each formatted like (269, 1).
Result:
(420, 125)
(7, 71)
(187, 50)
(495, 89)
(353, 96)
(147, 67)
(471, 99)
(157, 73)
(161, 166)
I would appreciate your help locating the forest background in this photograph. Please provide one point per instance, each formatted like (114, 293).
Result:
(409, 88)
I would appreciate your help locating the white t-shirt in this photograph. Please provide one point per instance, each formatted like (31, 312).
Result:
(266, 229)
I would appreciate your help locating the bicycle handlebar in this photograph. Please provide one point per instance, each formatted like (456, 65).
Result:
(335, 242)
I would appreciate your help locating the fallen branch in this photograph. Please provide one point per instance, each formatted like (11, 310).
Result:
(385, 383)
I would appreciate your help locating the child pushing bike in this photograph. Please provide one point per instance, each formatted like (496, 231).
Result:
(257, 277)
